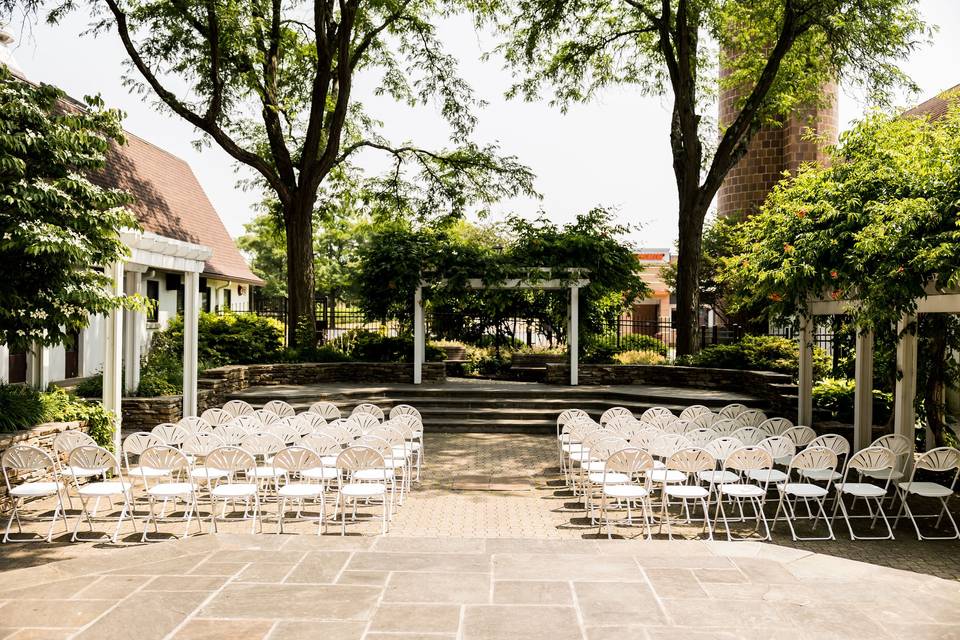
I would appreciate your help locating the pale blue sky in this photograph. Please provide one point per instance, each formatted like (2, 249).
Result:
(613, 151)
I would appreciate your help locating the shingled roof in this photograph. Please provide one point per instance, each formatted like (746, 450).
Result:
(936, 107)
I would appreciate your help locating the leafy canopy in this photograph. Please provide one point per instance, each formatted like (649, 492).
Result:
(57, 226)
(879, 226)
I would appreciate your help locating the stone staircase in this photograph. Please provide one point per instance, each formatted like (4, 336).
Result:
(495, 407)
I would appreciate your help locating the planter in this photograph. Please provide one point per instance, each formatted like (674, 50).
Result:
(536, 360)
(454, 352)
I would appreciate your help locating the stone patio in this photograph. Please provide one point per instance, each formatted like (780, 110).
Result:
(489, 546)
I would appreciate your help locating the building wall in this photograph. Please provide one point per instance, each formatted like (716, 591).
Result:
(774, 150)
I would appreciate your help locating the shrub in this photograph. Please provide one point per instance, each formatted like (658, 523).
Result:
(91, 387)
(640, 357)
(641, 342)
(837, 396)
(366, 346)
(598, 353)
(231, 338)
(758, 353)
(152, 386)
(20, 406)
(483, 361)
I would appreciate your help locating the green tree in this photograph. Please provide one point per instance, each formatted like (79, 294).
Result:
(57, 227)
(272, 84)
(777, 55)
(879, 226)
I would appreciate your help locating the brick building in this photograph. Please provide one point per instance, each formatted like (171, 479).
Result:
(774, 150)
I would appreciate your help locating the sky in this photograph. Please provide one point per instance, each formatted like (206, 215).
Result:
(612, 152)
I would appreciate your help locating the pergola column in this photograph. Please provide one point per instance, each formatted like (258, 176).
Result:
(904, 417)
(133, 329)
(573, 333)
(419, 336)
(113, 355)
(863, 393)
(805, 373)
(191, 309)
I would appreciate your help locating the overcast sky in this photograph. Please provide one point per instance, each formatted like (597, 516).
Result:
(612, 152)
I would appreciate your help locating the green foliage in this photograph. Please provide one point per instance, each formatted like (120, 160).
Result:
(57, 226)
(367, 346)
(837, 395)
(230, 338)
(22, 407)
(640, 357)
(485, 361)
(90, 387)
(598, 352)
(641, 342)
(758, 353)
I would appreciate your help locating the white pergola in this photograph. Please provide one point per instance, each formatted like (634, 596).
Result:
(553, 284)
(150, 251)
(935, 301)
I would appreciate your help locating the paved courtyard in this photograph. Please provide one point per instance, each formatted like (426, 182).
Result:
(489, 546)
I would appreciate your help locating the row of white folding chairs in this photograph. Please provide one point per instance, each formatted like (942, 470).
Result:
(323, 408)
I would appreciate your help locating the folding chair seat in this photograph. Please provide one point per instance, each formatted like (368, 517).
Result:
(810, 459)
(945, 461)
(105, 463)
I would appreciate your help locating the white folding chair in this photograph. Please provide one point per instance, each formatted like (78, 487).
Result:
(750, 418)
(325, 409)
(197, 448)
(811, 458)
(872, 460)
(238, 408)
(194, 425)
(366, 421)
(677, 427)
(132, 447)
(725, 427)
(263, 446)
(656, 412)
(749, 436)
(170, 434)
(216, 417)
(836, 443)
(298, 486)
(775, 426)
(720, 449)
(63, 444)
(26, 460)
(362, 477)
(404, 410)
(688, 462)
(660, 420)
(315, 420)
(281, 408)
(779, 448)
(180, 487)
(741, 461)
(368, 409)
(902, 449)
(635, 465)
(732, 410)
(701, 421)
(695, 410)
(105, 464)
(614, 412)
(234, 484)
(701, 437)
(265, 417)
(941, 460)
(231, 434)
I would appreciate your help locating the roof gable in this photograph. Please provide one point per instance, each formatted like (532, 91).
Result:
(937, 106)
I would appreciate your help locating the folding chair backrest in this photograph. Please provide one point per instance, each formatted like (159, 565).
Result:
(201, 444)
(312, 419)
(94, 458)
(676, 427)
(261, 444)
(350, 426)
(376, 443)
(249, 423)
(231, 434)
(899, 444)
(296, 459)
(368, 409)
(366, 421)
(721, 448)
(404, 410)
(266, 417)
(171, 434)
(642, 438)
(287, 432)
(22, 457)
(656, 412)
(194, 424)
(660, 421)
(750, 418)
(939, 459)
(391, 435)
(800, 435)
(233, 460)
(279, 407)
(414, 422)
(67, 441)
(775, 426)
(872, 459)
(164, 457)
(702, 420)
(323, 444)
(216, 417)
(621, 424)
(569, 415)
(701, 437)
(724, 427)
(732, 410)
(666, 444)
(630, 461)
(238, 408)
(748, 459)
(778, 447)
(614, 412)
(749, 436)
(695, 410)
(359, 458)
(136, 443)
(691, 460)
(328, 410)
(836, 443)
(815, 458)
(298, 424)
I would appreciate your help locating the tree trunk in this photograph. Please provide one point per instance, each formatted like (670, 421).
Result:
(688, 276)
(301, 311)
(935, 391)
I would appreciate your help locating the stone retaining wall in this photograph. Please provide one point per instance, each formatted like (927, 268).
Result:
(773, 387)
(42, 436)
(216, 385)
